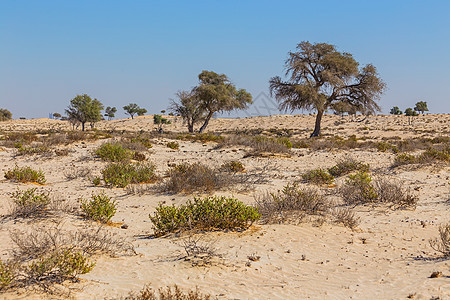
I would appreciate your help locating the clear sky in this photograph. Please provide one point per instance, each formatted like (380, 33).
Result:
(145, 51)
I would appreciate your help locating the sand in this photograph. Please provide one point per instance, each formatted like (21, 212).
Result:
(387, 256)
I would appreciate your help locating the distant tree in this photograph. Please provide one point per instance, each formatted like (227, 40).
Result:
(83, 109)
(5, 114)
(160, 121)
(340, 108)
(421, 106)
(410, 112)
(396, 111)
(110, 112)
(217, 94)
(56, 115)
(319, 75)
(133, 109)
(188, 106)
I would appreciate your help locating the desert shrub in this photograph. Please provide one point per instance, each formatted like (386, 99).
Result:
(346, 166)
(100, 208)
(201, 137)
(345, 216)
(259, 144)
(74, 173)
(57, 266)
(97, 181)
(25, 174)
(291, 203)
(113, 152)
(358, 189)
(168, 293)
(29, 202)
(204, 214)
(121, 174)
(383, 147)
(173, 145)
(392, 192)
(442, 243)
(137, 143)
(7, 275)
(233, 166)
(139, 156)
(32, 150)
(404, 159)
(317, 176)
(432, 154)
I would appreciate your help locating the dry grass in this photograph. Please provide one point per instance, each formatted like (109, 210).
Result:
(442, 243)
(168, 293)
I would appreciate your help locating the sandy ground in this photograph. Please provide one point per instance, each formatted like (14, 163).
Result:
(387, 257)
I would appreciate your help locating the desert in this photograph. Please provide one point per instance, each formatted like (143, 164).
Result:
(342, 246)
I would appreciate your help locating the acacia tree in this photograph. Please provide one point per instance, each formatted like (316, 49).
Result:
(5, 114)
(134, 109)
(396, 111)
(217, 94)
(188, 106)
(83, 109)
(319, 76)
(421, 106)
(110, 112)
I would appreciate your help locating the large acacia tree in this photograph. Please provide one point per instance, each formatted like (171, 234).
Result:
(216, 93)
(188, 106)
(84, 109)
(318, 76)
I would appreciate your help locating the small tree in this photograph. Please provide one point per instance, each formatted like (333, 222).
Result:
(319, 76)
(160, 121)
(133, 109)
(396, 111)
(409, 112)
(56, 115)
(5, 114)
(110, 112)
(83, 109)
(217, 94)
(188, 106)
(421, 106)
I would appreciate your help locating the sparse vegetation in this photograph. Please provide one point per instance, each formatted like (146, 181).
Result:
(122, 174)
(113, 152)
(209, 213)
(428, 156)
(317, 176)
(173, 145)
(346, 166)
(100, 208)
(233, 166)
(25, 174)
(442, 243)
(168, 293)
(7, 275)
(30, 202)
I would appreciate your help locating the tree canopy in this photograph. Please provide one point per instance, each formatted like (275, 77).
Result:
(318, 76)
(421, 106)
(5, 114)
(83, 109)
(396, 111)
(188, 106)
(134, 109)
(410, 112)
(110, 112)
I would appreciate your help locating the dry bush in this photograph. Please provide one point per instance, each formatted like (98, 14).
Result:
(199, 250)
(345, 216)
(138, 189)
(317, 176)
(442, 243)
(291, 204)
(168, 293)
(25, 174)
(74, 173)
(346, 166)
(358, 189)
(259, 144)
(393, 193)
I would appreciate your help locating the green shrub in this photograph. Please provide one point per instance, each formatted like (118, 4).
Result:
(122, 174)
(383, 147)
(31, 150)
(173, 145)
(57, 266)
(204, 214)
(113, 152)
(346, 166)
(358, 189)
(7, 275)
(29, 202)
(100, 208)
(317, 176)
(428, 156)
(25, 174)
(233, 166)
(404, 159)
(96, 181)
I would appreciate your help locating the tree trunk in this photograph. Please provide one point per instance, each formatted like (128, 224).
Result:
(82, 126)
(190, 127)
(208, 117)
(316, 131)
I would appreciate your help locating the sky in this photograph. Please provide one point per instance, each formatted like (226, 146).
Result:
(143, 52)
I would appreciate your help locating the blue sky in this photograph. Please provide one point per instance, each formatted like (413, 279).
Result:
(145, 51)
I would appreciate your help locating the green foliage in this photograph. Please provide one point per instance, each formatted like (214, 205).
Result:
(134, 109)
(317, 176)
(110, 112)
(31, 150)
(383, 147)
(122, 174)
(57, 266)
(232, 166)
(100, 208)
(320, 77)
(30, 202)
(160, 121)
(5, 114)
(428, 156)
(204, 214)
(421, 106)
(396, 111)
(96, 181)
(7, 275)
(56, 115)
(410, 112)
(346, 166)
(189, 107)
(83, 109)
(113, 152)
(358, 189)
(25, 174)
(173, 145)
